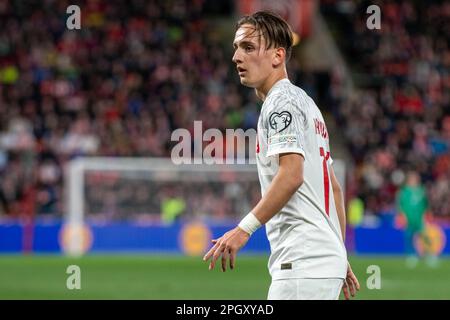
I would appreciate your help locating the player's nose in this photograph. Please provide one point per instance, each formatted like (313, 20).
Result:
(236, 57)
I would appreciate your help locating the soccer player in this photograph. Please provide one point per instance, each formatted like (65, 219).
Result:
(412, 202)
(302, 203)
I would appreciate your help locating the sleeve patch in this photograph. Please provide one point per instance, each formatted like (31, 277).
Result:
(285, 138)
(279, 121)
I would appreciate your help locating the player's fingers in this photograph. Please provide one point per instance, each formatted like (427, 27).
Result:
(351, 276)
(345, 290)
(224, 259)
(232, 259)
(208, 254)
(211, 251)
(216, 255)
(355, 284)
(355, 279)
(351, 286)
(212, 264)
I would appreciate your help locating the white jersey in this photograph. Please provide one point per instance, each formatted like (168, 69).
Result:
(305, 236)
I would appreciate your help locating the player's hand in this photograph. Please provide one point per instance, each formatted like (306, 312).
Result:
(350, 284)
(227, 246)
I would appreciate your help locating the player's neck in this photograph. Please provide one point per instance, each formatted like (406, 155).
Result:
(262, 91)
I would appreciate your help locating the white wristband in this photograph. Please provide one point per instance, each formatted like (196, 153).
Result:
(250, 223)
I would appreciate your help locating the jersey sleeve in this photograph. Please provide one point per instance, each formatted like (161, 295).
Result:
(285, 124)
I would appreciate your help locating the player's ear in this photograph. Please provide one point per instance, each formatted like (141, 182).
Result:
(279, 56)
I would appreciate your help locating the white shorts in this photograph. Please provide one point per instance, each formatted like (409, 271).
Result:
(305, 289)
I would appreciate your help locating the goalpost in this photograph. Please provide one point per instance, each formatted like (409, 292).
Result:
(151, 176)
(96, 189)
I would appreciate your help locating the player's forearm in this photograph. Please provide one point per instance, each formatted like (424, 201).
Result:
(283, 186)
(340, 208)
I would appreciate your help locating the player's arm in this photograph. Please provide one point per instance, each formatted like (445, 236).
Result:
(339, 202)
(285, 183)
(351, 284)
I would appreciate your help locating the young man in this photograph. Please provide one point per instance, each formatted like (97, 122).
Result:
(413, 203)
(302, 203)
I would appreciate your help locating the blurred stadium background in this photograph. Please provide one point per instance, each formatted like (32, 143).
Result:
(86, 118)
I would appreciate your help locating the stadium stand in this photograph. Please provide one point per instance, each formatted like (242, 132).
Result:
(400, 117)
(141, 69)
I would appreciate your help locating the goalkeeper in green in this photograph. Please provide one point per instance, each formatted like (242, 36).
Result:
(412, 202)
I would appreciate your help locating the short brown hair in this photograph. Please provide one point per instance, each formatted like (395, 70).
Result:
(275, 29)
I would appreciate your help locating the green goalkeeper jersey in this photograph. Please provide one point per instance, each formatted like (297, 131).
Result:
(412, 201)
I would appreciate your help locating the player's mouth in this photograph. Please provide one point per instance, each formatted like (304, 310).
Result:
(241, 71)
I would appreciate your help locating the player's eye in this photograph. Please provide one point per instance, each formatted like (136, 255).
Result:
(248, 48)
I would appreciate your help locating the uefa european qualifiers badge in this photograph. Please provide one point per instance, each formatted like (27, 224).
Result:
(280, 121)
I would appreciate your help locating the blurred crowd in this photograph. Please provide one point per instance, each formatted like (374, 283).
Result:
(137, 70)
(119, 86)
(400, 118)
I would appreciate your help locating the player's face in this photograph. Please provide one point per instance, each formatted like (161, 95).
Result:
(253, 60)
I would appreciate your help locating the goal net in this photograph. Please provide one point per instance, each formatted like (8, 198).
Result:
(148, 191)
(153, 191)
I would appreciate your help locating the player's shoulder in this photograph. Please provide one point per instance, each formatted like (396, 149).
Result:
(284, 88)
(286, 95)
